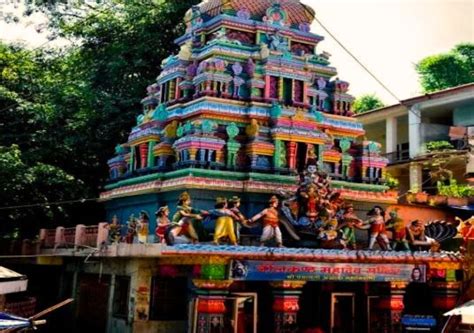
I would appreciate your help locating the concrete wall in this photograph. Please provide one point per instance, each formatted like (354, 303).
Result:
(464, 116)
(434, 132)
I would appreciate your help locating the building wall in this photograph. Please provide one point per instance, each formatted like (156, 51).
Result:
(464, 116)
(425, 214)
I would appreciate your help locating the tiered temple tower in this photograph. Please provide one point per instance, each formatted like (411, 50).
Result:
(240, 110)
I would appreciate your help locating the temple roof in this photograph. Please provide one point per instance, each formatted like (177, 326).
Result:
(297, 12)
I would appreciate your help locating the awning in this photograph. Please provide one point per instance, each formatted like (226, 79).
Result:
(466, 311)
(468, 207)
(8, 321)
(11, 282)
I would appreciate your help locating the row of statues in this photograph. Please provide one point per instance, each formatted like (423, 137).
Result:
(316, 213)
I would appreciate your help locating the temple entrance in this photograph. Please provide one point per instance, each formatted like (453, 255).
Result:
(240, 316)
(243, 312)
(342, 312)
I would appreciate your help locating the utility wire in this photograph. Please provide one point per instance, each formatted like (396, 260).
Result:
(46, 204)
(358, 61)
(383, 85)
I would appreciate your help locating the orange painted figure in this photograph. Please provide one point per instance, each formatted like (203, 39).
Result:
(377, 228)
(271, 221)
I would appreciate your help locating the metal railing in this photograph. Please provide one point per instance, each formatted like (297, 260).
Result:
(398, 156)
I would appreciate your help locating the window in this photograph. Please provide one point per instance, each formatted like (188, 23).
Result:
(169, 298)
(274, 87)
(121, 296)
(299, 91)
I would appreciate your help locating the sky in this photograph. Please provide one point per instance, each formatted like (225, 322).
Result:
(388, 36)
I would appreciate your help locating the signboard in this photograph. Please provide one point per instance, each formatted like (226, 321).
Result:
(418, 321)
(252, 270)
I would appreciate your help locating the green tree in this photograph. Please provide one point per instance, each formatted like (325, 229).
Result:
(366, 103)
(67, 109)
(445, 70)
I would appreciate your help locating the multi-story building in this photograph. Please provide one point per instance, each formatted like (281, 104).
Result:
(426, 138)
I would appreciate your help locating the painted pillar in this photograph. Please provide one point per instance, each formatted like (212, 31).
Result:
(131, 164)
(267, 87)
(219, 155)
(277, 154)
(281, 91)
(232, 149)
(293, 85)
(416, 177)
(172, 91)
(143, 154)
(391, 135)
(392, 302)
(305, 93)
(291, 148)
(151, 157)
(445, 295)
(177, 90)
(192, 154)
(286, 295)
(414, 131)
(211, 309)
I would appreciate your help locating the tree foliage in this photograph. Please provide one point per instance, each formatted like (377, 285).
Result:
(366, 103)
(446, 70)
(65, 110)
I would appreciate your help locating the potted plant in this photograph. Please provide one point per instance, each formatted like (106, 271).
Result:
(411, 194)
(433, 146)
(457, 194)
(392, 183)
(438, 199)
(410, 197)
(421, 197)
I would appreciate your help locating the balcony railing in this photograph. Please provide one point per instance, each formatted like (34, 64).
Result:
(398, 156)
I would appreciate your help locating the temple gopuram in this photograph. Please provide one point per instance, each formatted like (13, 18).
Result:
(247, 199)
(239, 111)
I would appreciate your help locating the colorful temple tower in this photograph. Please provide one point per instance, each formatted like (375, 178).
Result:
(240, 110)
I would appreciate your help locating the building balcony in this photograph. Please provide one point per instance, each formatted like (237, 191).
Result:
(399, 156)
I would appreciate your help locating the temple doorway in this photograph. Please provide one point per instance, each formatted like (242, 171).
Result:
(342, 312)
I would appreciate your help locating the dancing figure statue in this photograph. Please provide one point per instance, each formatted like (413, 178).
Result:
(350, 222)
(225, 218)
(377, 228)
(186, 217)
(270, 221)
(399, 232)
